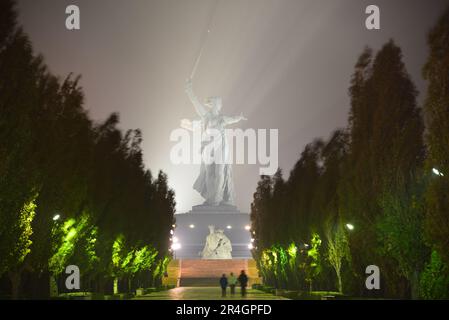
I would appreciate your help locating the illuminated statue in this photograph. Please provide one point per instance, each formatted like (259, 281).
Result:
(218, 245)
(214, 182)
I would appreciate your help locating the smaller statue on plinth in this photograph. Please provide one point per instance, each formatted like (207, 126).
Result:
(218, 245)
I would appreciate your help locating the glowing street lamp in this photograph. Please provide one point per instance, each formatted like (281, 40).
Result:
(350, 226)
(437, 172)
(247, 227)
(56, 217)
(228, 227)
(191, 226)
(175, 247)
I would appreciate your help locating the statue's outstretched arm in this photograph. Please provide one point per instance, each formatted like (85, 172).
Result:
(200, 109)
(232, 120)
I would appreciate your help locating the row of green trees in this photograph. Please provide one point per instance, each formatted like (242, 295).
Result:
(71, 191)
(375, 193)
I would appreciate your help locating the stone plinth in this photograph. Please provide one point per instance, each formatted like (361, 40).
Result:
(202, 208)
(192, 230)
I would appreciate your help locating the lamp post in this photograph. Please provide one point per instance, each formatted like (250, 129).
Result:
(437, 172)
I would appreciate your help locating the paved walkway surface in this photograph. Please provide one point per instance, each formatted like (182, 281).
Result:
(206, 293)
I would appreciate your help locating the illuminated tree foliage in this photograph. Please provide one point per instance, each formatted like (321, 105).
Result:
(337, 250)
(288, 217)
(56, 162)
(434, 281)
(18, 247)
(372, 193)
(313, 262)
(19, 235)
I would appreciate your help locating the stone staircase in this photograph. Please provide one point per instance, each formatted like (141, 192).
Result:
(206, 273)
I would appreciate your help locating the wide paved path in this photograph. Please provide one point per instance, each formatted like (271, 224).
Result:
(206, 293)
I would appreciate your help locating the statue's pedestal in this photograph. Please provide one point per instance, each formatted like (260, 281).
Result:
(192, 229)
(203, 208)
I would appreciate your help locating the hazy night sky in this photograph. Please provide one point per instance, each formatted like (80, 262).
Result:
(286, 64)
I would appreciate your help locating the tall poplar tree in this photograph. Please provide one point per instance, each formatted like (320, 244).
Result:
(436, 107)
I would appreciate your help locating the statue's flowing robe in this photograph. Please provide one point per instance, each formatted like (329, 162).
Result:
(214, 182)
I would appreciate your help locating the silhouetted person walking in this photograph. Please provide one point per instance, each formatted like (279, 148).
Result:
(223, 285)
(232, 281)
(243, 279)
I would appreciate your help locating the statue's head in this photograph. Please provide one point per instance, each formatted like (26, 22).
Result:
(211, 228)
(214, 103)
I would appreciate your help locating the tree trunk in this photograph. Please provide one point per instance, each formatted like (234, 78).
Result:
(340, 284)
(15, 278)
(115, 286)
(414, 285)
(53, 284)
(338, 272)
(98, 284)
